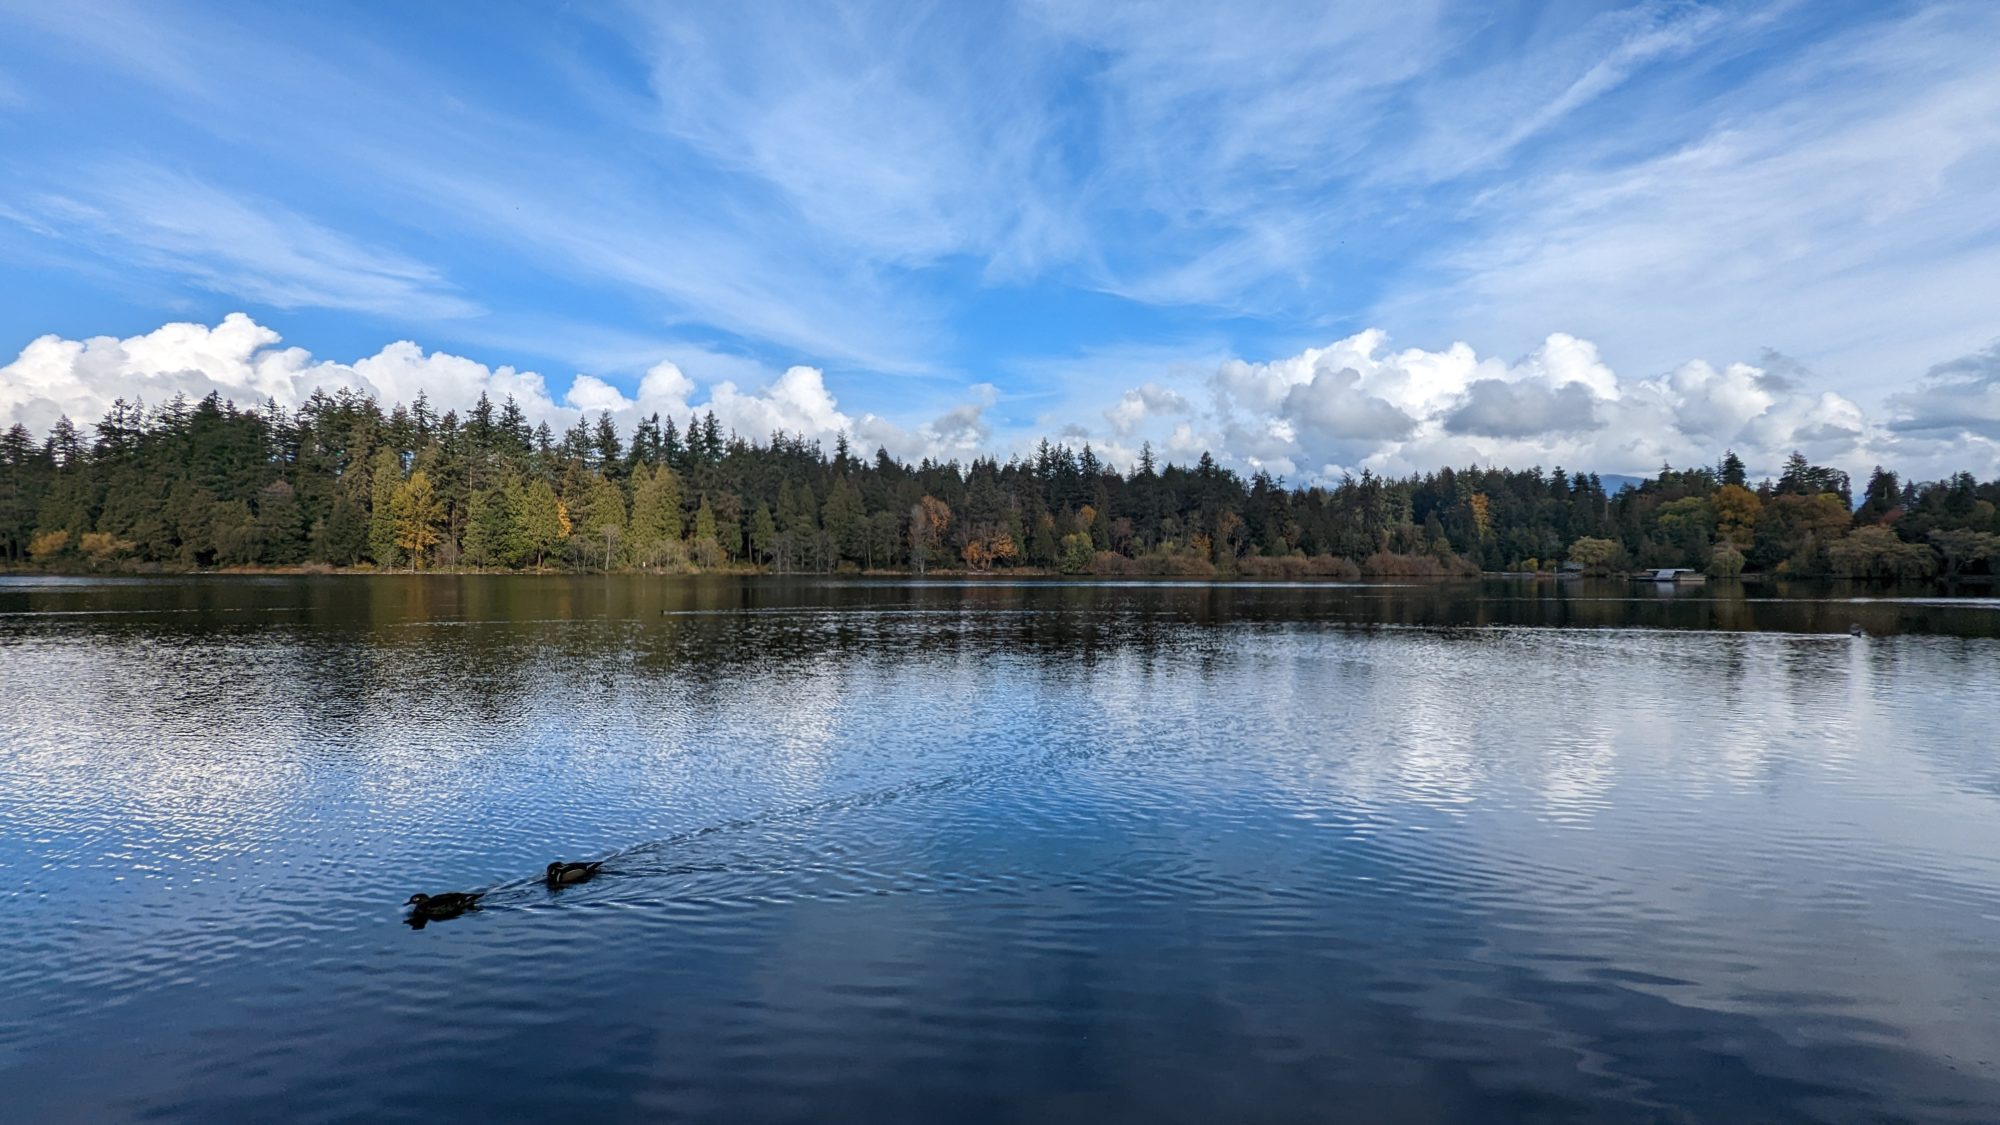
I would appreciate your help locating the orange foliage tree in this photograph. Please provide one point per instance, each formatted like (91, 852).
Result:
(982, 551)
(929, 518)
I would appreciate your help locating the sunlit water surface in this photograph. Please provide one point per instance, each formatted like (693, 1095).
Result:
(978, 852)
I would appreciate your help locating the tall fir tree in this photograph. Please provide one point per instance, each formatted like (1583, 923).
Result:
(385, 477)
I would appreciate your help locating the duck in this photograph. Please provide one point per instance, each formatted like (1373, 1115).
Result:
(562, 874)
(451, 904)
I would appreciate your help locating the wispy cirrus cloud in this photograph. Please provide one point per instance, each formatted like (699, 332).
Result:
(901, 135)
(972, 194)
(1832, 209)
(535, 190)
(136, 215)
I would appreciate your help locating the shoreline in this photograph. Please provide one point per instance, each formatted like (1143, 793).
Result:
(308, 570)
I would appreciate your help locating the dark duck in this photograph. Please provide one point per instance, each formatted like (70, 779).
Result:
(436, 908)
(562, 874)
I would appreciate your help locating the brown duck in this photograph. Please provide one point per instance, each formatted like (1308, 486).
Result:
(562, 874)
(451, 904)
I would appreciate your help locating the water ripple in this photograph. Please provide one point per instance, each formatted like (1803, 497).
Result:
(913, 852)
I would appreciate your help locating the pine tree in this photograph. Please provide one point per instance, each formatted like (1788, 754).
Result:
(606, 449)
(656, 514)
(23, 474)
(1731, 471)
(763, 534)
(1042, 542)
(1883, 496)
(846, 520)
(279, 527)
(492, 535)
(711, 438)
(341, 537)
(599, 525)
(707, 548)
(544, 525)
(672, 453)
(387, 477)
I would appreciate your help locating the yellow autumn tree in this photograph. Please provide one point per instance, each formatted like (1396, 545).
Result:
(1737, 510)
(1482, 514)
(419, 516)
(48, 545)
(929, 518)
(102, 547)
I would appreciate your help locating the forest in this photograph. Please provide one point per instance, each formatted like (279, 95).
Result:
(340, 483)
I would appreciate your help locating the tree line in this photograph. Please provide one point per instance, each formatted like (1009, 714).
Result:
(339, 482)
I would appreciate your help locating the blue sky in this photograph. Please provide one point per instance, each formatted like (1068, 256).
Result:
(1310, 237)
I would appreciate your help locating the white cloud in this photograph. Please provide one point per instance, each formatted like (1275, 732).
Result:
(797, 403)
(135, 215)
(1498, 408)
(244, 362)
(1140, 403)
(665, 388)
(1712, 405)
(1957, 398)
(1475, 116)
(961, 433)
(1835, 205)
(853, 117)
(391, 136)
(1353, 404)
(831, 183)
(1356, 404)
(1334, 416)
(592, 395)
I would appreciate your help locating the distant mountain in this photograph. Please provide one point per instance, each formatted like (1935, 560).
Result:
(1615, 483)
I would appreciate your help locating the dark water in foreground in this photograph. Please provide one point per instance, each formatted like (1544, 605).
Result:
(882, 852)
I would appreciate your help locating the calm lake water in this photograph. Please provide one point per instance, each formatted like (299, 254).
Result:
(885, 851)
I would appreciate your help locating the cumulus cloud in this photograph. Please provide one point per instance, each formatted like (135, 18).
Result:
(1143, 402)
(242, 361)
(960, 433)
(798, 403)
(962, 428)
(245, 362)
(1714, 405)
(1957, 396)
(1334, 410)
(1358, 404)
(1351, 405)
(1497, 408)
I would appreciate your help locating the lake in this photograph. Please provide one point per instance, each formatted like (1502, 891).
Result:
(886, 851)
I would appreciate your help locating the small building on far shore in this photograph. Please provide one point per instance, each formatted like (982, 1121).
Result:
(1679, 575)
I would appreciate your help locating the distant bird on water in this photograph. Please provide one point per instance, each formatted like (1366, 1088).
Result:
(562, 874)
(1856, 631)
(436, 908)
